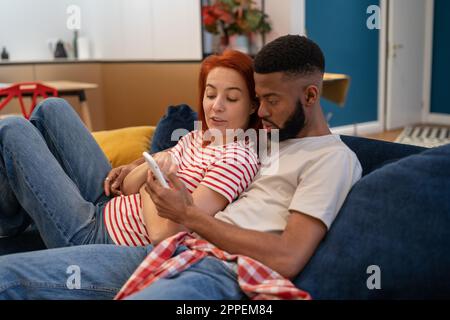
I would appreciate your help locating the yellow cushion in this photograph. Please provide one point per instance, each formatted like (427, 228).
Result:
(122, 146)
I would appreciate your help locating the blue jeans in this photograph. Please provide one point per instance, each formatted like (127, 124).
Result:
(52, 171)
(102, 270)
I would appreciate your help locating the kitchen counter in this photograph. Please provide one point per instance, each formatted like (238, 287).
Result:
(69, 60)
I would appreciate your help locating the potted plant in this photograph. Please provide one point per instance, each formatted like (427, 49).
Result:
(234, 17)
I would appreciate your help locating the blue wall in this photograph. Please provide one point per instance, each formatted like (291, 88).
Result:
(339, 27)
(440, 89)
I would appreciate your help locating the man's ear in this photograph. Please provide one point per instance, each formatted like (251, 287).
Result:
(311, 95)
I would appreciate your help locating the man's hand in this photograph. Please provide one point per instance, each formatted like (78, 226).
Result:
(172, 203)
(114, 179)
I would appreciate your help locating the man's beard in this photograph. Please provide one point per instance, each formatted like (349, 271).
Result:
(293, 125)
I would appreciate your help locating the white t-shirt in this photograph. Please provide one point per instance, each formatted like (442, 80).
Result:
(314, 177)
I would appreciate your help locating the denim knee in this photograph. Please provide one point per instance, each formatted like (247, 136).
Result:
(13, 124)
(13, 121)
(50, 107)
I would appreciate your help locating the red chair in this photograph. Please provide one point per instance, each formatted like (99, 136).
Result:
(27, 89)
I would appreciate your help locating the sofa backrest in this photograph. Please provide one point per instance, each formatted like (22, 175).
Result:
(374, 154)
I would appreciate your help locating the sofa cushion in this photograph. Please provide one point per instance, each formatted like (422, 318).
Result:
(398, 219)
(176, 117)
(122, 146)
(29, 240)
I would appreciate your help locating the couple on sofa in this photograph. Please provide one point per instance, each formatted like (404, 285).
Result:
(219, 223)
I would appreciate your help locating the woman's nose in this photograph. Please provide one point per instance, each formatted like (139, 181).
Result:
(218, 105)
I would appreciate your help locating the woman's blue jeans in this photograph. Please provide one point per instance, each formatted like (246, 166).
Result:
(52, 171)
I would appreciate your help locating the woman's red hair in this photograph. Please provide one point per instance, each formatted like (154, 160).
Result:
(239, 62)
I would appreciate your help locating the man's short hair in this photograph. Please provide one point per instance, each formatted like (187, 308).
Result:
(291, 54)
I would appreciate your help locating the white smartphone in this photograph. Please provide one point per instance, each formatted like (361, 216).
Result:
(155, 169)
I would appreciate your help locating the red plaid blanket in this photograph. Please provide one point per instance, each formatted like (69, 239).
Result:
(256, 280)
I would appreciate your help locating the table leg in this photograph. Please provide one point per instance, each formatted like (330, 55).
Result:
(85, 115)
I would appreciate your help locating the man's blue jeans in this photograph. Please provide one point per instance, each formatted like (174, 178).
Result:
(52, 171)
(99, 271)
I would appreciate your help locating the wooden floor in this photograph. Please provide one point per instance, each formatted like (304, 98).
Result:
(390, 135)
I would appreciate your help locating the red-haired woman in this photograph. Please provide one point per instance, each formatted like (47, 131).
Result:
(53, 171)
(216, 162)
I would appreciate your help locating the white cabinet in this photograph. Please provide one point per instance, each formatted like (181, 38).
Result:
(116, 29)
(144, 29)
(176, 30)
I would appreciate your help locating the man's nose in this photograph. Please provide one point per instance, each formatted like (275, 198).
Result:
(262, 111)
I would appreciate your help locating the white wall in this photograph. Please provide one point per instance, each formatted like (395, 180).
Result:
(124, 29)
(177, 33)
(287, 16)
(25, 26)
(117, 29)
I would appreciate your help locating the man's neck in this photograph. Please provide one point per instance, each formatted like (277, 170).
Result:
(316, 125)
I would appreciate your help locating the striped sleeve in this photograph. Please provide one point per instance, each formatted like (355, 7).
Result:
(232, 173)
(178, 149)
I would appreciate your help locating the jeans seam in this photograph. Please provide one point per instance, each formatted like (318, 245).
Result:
(49, 285)
(41, 201)
(53, 140)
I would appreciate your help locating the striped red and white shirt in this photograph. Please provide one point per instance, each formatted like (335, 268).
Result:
(227, 169)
